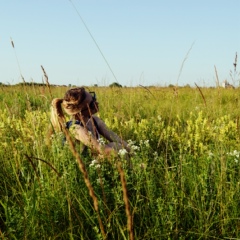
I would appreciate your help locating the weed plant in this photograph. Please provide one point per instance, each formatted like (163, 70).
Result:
(183, 182)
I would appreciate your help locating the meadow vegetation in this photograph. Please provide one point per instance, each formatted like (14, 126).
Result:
(183, 182)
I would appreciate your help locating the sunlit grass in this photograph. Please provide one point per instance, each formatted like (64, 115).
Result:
(183, 182)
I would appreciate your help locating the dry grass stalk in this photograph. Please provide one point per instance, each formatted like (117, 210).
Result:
(235, 63)
(147, 90)
(234, 74)
(175, 91)
(201, 94)
(23, 79)
(85, 174)
(103, 192)
(1, 235)
(12, 43)
(184, 60)
(217, 79)
(125, 199)
(17, 61)
(46, 79)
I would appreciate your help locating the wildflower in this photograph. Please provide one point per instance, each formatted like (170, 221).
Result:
(155, 155)
(122, 152)
(146, 143)
(134, 148)
(132, 145)
(95, 164)
(235, 154)
(130, 142)
(101, 141)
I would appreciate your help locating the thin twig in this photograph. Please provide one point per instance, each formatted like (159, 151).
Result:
(54, 169)
(34, 168)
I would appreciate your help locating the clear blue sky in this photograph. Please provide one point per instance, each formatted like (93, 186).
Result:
(144, 42)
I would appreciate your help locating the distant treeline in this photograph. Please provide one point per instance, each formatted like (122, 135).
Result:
(29, 84)
(23, 83)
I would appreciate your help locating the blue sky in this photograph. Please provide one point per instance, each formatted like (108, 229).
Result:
(141, 42)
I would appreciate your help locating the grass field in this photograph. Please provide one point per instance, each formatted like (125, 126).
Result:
(183, 183)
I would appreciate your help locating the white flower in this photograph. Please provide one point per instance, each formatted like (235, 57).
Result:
(95, 164)
(94, 161)
(235, 153)
(98, 181)
(155, 155)
(122, 152)
(145, 142)
(101, 141)
(130, 142)
(134, 148)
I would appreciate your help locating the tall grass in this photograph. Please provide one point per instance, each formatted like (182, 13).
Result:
(183, 183)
